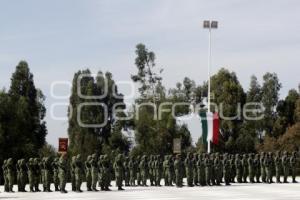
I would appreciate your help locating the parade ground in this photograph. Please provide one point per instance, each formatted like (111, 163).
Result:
(234, 192)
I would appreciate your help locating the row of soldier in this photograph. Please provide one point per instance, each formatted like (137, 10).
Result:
(99, 171)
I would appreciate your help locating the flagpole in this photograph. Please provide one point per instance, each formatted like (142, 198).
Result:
(208, 93)
(209, 25)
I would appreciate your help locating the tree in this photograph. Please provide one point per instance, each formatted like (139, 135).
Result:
(229, 95)
(154, 136)
(270, 97)
(85, 138)
(29, 105)
(253, 128)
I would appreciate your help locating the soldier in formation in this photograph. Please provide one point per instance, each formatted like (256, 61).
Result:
(202, 169)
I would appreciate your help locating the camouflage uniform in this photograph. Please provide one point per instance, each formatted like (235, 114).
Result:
(4, 168)
(268, 165)
(239, 168)
(47, 174)
(245, 168)
(62, 173)
(285, 166)
(178, 171)
(257, 168)
(73, 181)
(144, 170)
(188, 163)
(88, 173)
(132, 171)
(30, 174)
(217, 169)
(195, 173)
(79, 171)
(251, 168)
(293, 164)
(106, 172)
(226, 169)
(278, 166)
(55, 173)
(208, 166)
(126, 171)
(37, 174)
(94, 171)
(263, 167)
(201, 170)
(138, 170)
(119, 168)
(10, 174)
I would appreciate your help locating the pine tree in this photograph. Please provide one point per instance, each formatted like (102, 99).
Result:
(30, 109)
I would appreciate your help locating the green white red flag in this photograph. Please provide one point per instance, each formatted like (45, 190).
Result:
(210, 127)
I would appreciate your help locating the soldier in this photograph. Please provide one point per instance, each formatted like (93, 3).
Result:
(119, 168)
(178, 171)
(239, 168)
(272, 166)
(155, 169)
(293, 164)
(5, 177)
(263, 167)
(106, 172)
(278, 164)
(100, 165)
(226, 169)
(201, 170)
(208, 165)
(37, 174)
(268, 165)
(55, 173)
(47, 174)
(73, 181)
(151, 170)
(188, 163)
(42, 172)
(232, 168)
(285, 165)
(22, 175)
(10, 174)
(88, 173)
(144, 171)
(18, 175)
(172, 160)
(95, 171)
(257, 168)
(159, 170)
(212, 170)
(132, 171)
(251, 168)
(79, 171)
(245, 168)
(217, 169)
(62, 166)
(30, 174)
(126, 171)
(165, 171)
(195, 173)
(138, 170)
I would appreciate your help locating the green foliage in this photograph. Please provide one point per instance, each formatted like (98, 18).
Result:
(22, 111)
(270, 97)
(89, 140)
(155, 136)
(47, 151)
(228, 94)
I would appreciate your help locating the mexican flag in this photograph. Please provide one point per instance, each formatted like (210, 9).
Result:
(210, 127)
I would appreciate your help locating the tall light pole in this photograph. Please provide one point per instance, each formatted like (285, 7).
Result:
(207, 24)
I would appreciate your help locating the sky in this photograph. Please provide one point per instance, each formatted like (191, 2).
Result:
(58, 38)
